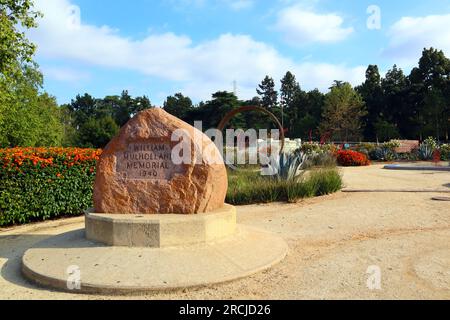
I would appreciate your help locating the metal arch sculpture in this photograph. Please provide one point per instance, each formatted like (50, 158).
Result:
(233, 113)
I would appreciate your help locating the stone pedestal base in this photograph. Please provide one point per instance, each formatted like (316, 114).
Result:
(160, 230)
(118, 254)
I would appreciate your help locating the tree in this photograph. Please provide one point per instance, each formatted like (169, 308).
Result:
(15, 48)
(82, 108)
(269, 96)
(69, 132)
(372, 94)
(121, 108)
(30, 118)
(289, 90)
(309, 115)
(91, 122)
(213, 111)
(344, 109)
(50, 128)
(396, 114)
(429, 89)
(26, 115)
(178, 105)
(127, 107)
(385, 130)
(97, 132)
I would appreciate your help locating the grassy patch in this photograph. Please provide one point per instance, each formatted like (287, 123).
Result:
(249, 187)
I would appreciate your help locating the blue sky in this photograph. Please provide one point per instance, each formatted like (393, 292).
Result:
(197, 47)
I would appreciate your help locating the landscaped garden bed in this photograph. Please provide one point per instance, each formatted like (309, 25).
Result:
(250, 187)
(45, 183)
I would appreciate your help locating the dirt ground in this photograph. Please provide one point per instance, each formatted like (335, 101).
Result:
(384, 221)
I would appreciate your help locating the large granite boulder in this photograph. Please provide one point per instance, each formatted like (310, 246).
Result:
(137, 172)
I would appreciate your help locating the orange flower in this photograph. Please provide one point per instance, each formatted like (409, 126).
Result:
(349, 158)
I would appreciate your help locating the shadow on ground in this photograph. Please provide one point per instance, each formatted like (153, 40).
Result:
(12, 269)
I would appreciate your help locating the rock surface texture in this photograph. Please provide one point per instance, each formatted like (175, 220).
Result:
(142, 171)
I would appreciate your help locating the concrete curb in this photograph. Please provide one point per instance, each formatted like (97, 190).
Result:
(416, 168)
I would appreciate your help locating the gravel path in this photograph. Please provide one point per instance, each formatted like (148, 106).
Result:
(333, 241)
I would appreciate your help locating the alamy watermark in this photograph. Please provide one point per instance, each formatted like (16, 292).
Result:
(235, 147)
(374, 278)
(374, 19)
(73, 278)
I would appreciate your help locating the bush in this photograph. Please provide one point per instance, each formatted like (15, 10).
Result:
(316, 148)
(349, 158)
(249, 187)
(320, 182)
(366, 147)
(392, 145)
(43, 183)
(380, 152)
(444, 149)
(326, 159)
(383, 154)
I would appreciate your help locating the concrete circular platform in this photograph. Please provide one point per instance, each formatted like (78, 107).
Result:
(62, 261)
(160, 230)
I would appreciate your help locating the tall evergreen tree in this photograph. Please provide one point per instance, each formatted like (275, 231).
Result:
(372, 94)
(289, 88)
(429, 88)
(290, 91)
(396, 116)
(269, 96)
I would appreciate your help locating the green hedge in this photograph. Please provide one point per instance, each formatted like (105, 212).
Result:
(44, 183)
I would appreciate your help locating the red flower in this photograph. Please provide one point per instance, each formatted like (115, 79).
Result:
(349, 158)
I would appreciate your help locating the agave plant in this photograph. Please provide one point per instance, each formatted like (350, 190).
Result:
(287, 166)
(426, 151)
(427, 148)
(384, 154)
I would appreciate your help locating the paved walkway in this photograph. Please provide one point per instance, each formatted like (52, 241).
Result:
(333, 241)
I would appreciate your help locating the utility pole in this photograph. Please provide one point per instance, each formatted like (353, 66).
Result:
(235, 87)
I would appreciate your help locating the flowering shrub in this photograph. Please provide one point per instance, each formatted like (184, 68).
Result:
(349, 158)
(44, 183)
(391, 145)
(316, 148)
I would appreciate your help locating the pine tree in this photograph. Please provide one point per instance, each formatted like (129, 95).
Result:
(290, 91)
(372, 94)
(289, 88)
(269, 96)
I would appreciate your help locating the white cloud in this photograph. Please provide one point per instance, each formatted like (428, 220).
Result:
(65, 74)
(409, 35)
(197, 69)
(302, 26)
